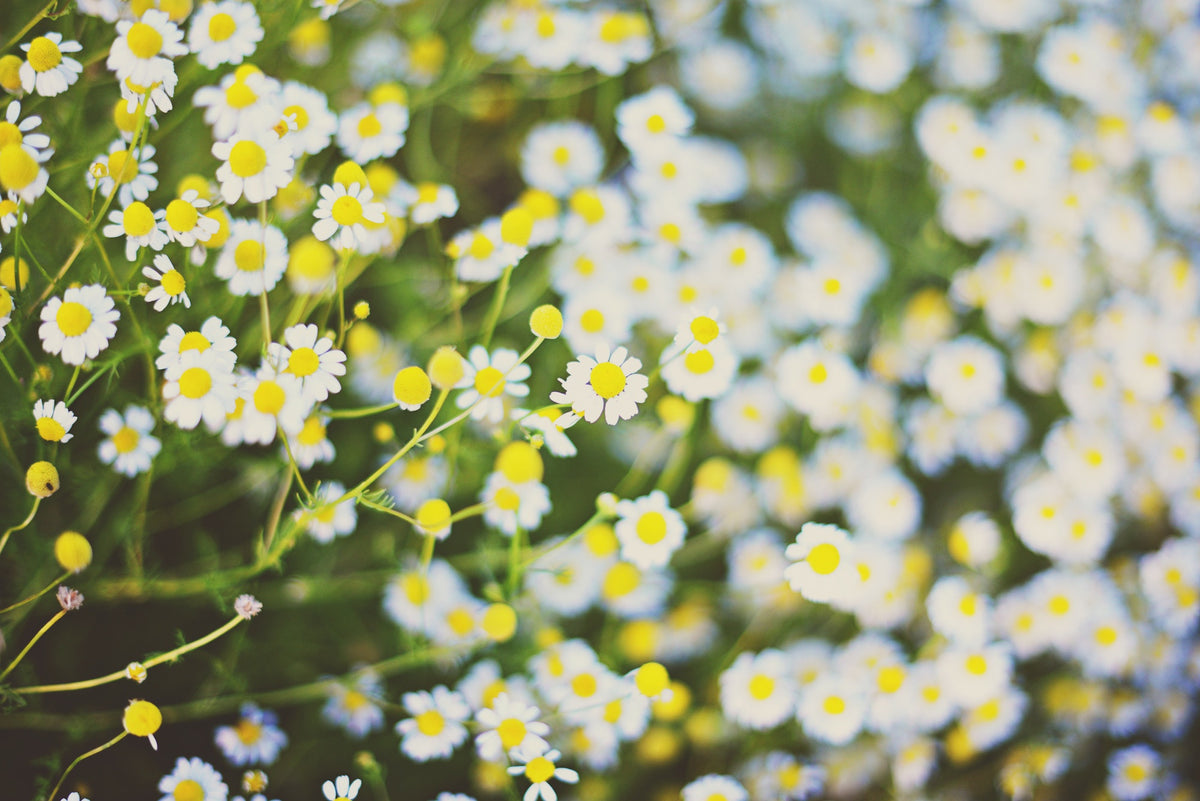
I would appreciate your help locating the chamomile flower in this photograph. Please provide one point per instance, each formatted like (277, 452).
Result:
(823, 567)
(172, 288)
(657, 118)
(185, 223)
(512, 505)
(254, 739)
(551, 425)
(559, 157)
(312, 444)
(706, 788)
(256, 166)
(140, 227)
(832, 708)
(8, 211)
(273, 400)
(509, 724)
(311, 124)
(432, 202)
(1134, 773)
(367, 132)
(212, 335)
(341, 789)
(200, 385)
(342, 214)
(966, 375)
(53, 420)
(757, 690)
(144, 48)
(608, 384)
(311, 358)
(6, 310)
(356, 706)
(131, 174)
(224, 32)
(649, 530)
(46, 70)
(253, 258)
(128, 445)
(193, 779)
(245, 102)
(487, 379)
(330, 520)
(540, 770)
(21, 175)
(436, 726)
(80, 324)
(482, 253)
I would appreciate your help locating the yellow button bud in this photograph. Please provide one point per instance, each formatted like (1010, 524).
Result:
(446, 367)
(433, 518)
(499, 622)
(651, 679)
(349, 173)
(411, 388)
(546, 322)
(142, 719)
(516, 226)
(10, 68)
(362, 310)
(73, 551)
(42, 479)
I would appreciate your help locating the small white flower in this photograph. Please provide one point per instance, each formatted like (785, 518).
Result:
(609, 383)
(172, 288)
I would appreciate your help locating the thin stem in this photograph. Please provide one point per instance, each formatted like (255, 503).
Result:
(387, 510)
(17, 659)
(70, 209)
(36, 595)
(287, 447)
(349, 414)
(80, 758)
(408, 446)
(493, 316)
(514, 564)
(116, 675)
(71, 383)
(4, 540)
(38, 17)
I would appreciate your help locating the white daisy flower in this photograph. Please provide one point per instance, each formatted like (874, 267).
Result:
(46, 70)
(356, 707)
(21, 173)
(649, 530)
(54, 420)
(560, 157)
(823, 568)
(199, 385)
(253, 259)
(273, 399)
(132, 173)
(80, 324)
(757, 690)
(431, 202)
(487, 379)
(144, 48)
(212, 335)
(15, 131)
(225, 32)
(193, 779)
(245, 102)
(481, 254)
(513, 505)
(129, 446)
(540, 770)
(551, 425)
(156, 97)
(183, 221)
(341, 213)
(341, 789)
(712, 786)
(254, 739)
(311, 124)
(312, 359)
(330, 520)
(367, 132)
(172, 288)
(256, 166)
(140, 227)
(312, 444)
(609, 384)
(436, 726)
(509, 724)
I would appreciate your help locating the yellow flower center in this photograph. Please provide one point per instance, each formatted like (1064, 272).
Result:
(369, 126)
(545, 26)
(832, 286)
(303, 362)
(50, 429)
(269, 397)
(489, 382)
(737, 257)
(890, 678)
(824, 558)
(194, 340)
(427, 192)
(651, 528)
(507, 499)
(173, 283)
(10, 134)
(655, 123)
(481, 247)
(125, 440)
(240, 95)
(967, 605)
(248, 731)
(188, 790)
(976, 665)
(1106, 635)
(761, 687)
(834, 705)
(18, 169)
(584, 685)
(144, 41)
(704, 329)
(512, 732)
(430, 723)
(73, 318)
(587, 205)
(607, 379)
(249, 256)
(137, 219)
(818, 373)
(221, 27)
(416, 588)
(698, 362)
(622, 579)
(592, 321)
(1059, 605)
(539, 769)
(182, 216)
(312, 432)
(347, 210)
(247, 158)
(195, 383)
(43, 54)
(561, 156)
(299, 114)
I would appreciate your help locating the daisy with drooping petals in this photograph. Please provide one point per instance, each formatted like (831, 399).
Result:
(172, 288)
(46, 70)
(54, 420)
(312, 359)
(509, 724)
(487, 379)
(224, 33)
(255, 166)
(609, 384)
(341, 213)
(144, 48)
(140, 227)
(129, 447)
(80, 324)
(540, 770)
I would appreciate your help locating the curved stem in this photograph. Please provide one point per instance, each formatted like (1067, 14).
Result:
(8, 532)
(80, 758)
(36, 595)
(17, 659)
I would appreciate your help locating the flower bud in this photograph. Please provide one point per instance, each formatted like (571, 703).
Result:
(73, 551)
(42, 479)
(546, 322)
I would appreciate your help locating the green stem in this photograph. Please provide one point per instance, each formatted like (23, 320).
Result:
(387, 510)
(21, 525)
(70, 209)
(514, 565)
(17, 659)
(349, 414)
(54, 792)
(36, 595)
(493, 315)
